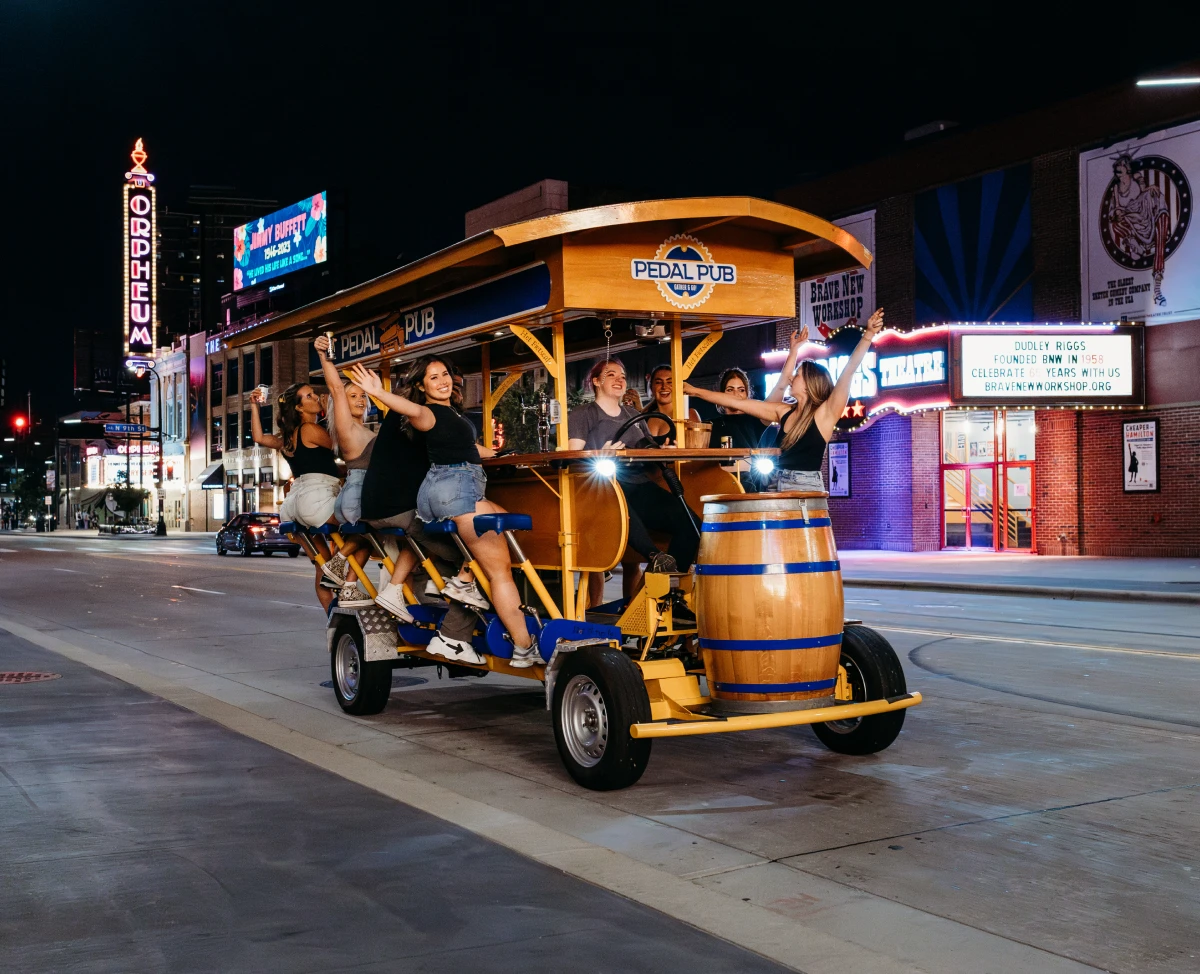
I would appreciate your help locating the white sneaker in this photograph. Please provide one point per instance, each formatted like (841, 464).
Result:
(454, 650)
(527, 656)
(336, 569)
(349, 597)
(432, 590)
(465, 592)
(392, 599)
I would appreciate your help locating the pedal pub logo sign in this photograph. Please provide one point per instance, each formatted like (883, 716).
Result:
(684, 271)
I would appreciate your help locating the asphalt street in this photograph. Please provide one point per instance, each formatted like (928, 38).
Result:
(1036, 814)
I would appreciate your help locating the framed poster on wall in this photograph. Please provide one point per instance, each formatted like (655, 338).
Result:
(839, 469)
(1139, 456)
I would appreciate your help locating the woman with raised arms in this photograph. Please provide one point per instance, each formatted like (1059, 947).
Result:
(806, 426)
(454, 488)
(306, 445)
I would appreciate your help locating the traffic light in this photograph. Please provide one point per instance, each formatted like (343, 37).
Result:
(19, 423)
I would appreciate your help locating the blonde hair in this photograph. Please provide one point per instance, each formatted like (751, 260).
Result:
(818, 387)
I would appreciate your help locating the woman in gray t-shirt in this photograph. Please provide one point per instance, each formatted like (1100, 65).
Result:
(651, 508)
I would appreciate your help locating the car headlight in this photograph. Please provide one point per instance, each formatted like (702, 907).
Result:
(605, 467)
(764, 466)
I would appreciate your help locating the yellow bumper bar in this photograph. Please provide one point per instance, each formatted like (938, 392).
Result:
(787, 718)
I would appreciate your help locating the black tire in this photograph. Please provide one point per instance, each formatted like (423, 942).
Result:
(361, 688)
(293, 552)
(267, 552)
(221, 548)
(874, 672)
(598, 694)
(247, 546)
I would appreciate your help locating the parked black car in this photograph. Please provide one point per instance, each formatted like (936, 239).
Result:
(253, 532)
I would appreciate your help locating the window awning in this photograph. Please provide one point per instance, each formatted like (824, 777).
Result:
(213, 477)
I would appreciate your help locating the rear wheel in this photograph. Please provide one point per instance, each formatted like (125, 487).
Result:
(598, 694)
(247, 546)
(267, 552)
(873, 671)
(361, 687)
(293, 552)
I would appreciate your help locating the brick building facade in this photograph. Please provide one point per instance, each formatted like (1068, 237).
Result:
(1080, 506)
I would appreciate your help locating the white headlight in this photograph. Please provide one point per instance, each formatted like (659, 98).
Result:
(605, 467)
(764, 466)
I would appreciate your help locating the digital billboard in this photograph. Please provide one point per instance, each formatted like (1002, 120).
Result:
(281, 242)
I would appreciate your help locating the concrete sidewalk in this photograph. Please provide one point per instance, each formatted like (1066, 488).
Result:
(141, 837)
(1169, 580)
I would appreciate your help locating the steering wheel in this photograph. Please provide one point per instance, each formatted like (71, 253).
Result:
(641, 417)
(668, 471)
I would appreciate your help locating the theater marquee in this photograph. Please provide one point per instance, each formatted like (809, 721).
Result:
(1068, 365)
(140, 265)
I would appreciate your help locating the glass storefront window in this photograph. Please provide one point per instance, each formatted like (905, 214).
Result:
(968, 436)
(1019, 435)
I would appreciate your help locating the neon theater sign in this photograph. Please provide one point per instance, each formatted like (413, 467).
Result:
(903, 371)
(138, 226)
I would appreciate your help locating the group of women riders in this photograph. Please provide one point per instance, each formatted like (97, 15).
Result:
(423, 466)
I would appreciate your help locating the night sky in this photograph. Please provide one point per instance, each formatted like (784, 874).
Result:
(419, 117)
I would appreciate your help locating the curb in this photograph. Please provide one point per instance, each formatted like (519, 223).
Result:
(1031, 591)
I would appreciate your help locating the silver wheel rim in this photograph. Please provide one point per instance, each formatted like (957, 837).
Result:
(346, 667)
(858, 695)
(584, 721)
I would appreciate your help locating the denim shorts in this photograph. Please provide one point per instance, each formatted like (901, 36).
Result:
(450, 491)
(804, 480)
(348, 508)
(311, 499)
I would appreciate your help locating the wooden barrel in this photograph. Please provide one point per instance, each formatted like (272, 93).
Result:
(769, 601)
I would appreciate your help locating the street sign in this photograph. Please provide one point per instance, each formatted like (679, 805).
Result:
(125, 428)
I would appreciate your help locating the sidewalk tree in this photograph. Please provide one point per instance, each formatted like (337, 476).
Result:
(128, 499)
(29, 492)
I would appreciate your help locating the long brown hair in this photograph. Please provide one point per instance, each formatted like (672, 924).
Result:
(289, 418)
(818, 387)
(411, 386)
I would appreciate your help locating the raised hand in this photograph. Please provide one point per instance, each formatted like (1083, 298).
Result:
(874, 325)
(322, 344)
(798, 339)
(365, 379)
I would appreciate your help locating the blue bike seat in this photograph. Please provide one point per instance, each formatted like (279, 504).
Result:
(502, 522)
(356, 528)
(445, 526)
(325, 529)
(394, 532)
(290, 527)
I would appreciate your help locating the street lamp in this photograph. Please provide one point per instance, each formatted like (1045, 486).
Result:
(140, 367)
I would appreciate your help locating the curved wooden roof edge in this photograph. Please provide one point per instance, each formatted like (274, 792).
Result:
(694, 208)
(717, 209)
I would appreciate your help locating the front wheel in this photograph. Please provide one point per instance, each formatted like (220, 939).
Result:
(362, 688)
(598, 695)
(873, 672)
(221, 548)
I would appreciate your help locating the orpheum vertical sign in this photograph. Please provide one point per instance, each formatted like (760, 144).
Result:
(140, 268)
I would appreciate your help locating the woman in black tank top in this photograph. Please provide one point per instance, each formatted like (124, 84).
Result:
(453, 488)
(805, 428)
(306, 445)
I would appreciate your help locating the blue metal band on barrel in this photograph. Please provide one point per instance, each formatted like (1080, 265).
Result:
(816, 522)
(776, 568)
(774, 687)
(769, 645)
